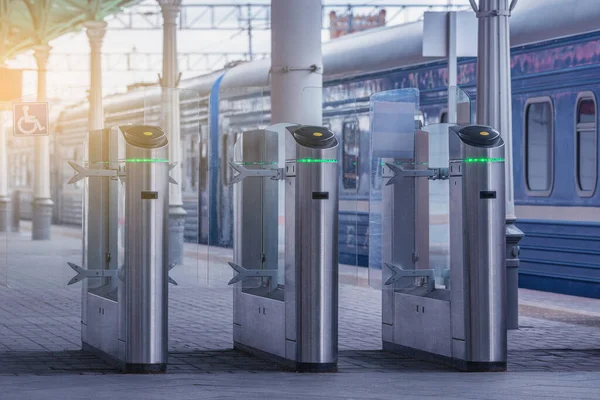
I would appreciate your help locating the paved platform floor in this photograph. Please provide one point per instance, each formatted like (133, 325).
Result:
(554, 354)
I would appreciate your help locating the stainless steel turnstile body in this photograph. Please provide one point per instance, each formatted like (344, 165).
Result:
(477, 237)
(285, 246)
(125, 298)
(460, 318)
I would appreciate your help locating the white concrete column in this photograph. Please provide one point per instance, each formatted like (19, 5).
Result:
(171, 125)
(42, 202)
(95, 31)
(494, 108)
(493, 81)
(5, 211)
(297, 97)
(296, 87)
(5, 219)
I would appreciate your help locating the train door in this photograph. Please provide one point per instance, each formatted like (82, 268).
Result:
(226, 205)
(203, 176)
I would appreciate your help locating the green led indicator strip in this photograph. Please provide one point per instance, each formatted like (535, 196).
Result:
(316, 160)
(482, 160)
(146, 160)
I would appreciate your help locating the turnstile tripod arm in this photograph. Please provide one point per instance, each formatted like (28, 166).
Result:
(399, 172)
(174, 182)
(90, 273)
(399, 273)
(104, 273)
(82, 172)
(243, 173)
(244, 273)
(171, 280)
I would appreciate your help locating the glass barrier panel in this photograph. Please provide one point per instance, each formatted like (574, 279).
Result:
(341, 118)
(177, 112)
(237, 143)
(102, 206)
(439, 205)
(464, 109)
(392, 207)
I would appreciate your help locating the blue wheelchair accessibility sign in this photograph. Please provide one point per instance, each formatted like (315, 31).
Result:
(30, 119)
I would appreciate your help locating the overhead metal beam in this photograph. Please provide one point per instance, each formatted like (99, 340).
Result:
(236, 16)
(37, 21)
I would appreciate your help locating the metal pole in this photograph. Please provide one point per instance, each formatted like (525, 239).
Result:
(452, 67)
(296, 94)
(297, 97)
(5, 218)
(42, 202)
(171, 121)
(95, 31)
(5, 210)
(250, 55)
(494, 109)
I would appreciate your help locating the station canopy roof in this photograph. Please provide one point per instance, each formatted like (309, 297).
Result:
(27, 23)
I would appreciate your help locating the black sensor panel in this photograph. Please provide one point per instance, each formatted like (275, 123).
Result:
(320, 195)
(487, 194)
(316, 137)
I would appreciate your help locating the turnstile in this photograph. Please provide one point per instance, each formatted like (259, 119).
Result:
(286, 246)
(125, 257)
(477, 241)
(437, 236)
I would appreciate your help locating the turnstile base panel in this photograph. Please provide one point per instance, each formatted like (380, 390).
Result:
(421, 323)
(285, 363)
(101, 331)
(264, 330)
(127, 368)
(462, 365)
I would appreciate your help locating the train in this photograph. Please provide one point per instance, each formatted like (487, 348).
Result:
(555, 67)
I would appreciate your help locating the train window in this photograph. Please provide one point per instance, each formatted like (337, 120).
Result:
(444, 117)
(586, 136)
(351, 138)
(539, 132)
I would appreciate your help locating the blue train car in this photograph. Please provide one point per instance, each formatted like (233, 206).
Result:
(555, 60)
(555, 127)
(555, 71)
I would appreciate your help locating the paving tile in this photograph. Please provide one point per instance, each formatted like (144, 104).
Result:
(40, 337)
